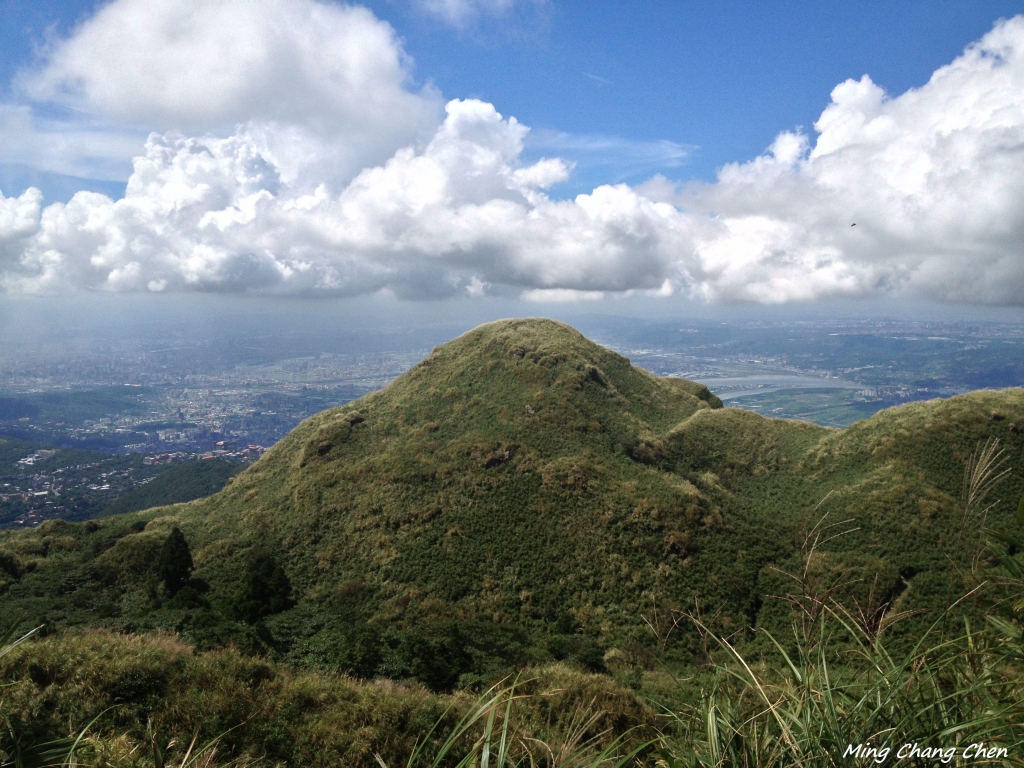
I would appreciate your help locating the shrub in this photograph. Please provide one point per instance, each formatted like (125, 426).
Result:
(265, 591)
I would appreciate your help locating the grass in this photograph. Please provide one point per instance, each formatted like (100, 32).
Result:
(520, 498)
(837, 691)
(155, 695)
(844, 688)
(525, 500)
(13, 751)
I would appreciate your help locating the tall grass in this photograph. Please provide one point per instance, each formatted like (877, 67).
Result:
(164, 705)
(1008, 547)
(14, 753)
(70, 752)
(486, 736)
(494, 741)
(843, 688)
(837, 686)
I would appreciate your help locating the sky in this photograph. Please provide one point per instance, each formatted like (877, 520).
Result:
(667, 155)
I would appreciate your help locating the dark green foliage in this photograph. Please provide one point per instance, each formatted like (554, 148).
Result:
(265, 589)
(10, 566)
(174, 565)
(11, 450)
(581, 649)
(358, 651)
(14, 408)
(189, 596)
(185, 482)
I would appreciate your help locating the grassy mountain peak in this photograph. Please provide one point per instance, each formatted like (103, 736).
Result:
(524, 495)
(492, 461)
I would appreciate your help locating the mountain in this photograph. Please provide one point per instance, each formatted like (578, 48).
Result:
(524, 495)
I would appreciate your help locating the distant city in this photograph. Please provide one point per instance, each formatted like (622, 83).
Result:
(833, 373)
(83, 427)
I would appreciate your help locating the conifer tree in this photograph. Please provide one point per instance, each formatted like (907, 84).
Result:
(174, 566)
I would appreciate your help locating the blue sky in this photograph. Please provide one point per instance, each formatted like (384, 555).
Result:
(718, 79)
(768, 152)
(724, 77)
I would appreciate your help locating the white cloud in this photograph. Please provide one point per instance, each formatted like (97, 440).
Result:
(561, 295)
(931, 178)
(462, 213)
(194, 65)
(461, 13)
(293, 70)
(19, 223)
(625, 157)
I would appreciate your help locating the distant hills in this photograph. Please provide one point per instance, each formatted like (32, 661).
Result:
(524, 495)
(73, 406)
(180, 483)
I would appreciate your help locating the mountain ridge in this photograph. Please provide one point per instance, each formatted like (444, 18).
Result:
(523, 493)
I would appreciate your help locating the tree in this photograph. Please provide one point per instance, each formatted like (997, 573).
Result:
(174, 566)
(265, 590)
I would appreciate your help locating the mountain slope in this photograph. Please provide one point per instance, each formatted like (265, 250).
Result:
(524, 494)
(891, 483)
(479, 477)
(181, 483)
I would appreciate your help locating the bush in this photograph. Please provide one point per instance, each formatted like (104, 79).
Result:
(267, 714)
(265, 591)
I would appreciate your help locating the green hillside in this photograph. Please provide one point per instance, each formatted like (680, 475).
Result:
(11, 450)
(528, 480)
(523, 497)
(181, 483)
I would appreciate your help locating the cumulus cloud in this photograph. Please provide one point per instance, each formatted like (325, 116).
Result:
(457, 216)
(930, 179)
(19, 223)
(332, 78)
